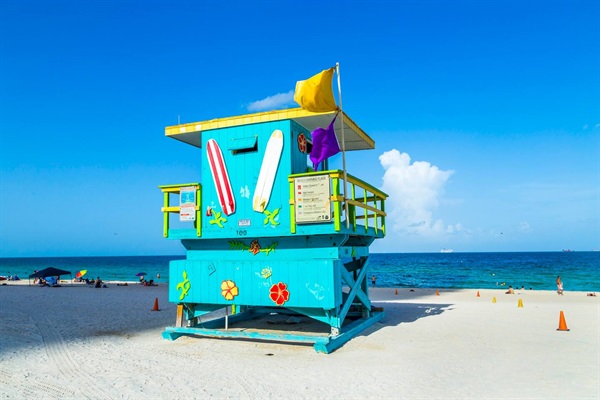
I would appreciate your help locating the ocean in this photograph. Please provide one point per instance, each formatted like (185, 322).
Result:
(579, 271)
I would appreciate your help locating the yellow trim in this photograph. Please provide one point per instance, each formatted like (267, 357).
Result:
(227, 122)
(175, 188)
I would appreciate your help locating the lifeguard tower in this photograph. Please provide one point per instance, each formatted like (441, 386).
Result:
(265, 235)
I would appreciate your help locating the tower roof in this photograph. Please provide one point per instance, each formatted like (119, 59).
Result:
(355, 137)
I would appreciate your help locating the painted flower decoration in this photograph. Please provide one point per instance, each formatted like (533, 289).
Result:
(254, 247)
(266, 272)
(229, 290)
(279, 293)
(302, 143)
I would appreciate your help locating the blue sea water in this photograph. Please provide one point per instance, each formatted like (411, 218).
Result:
(580, 271)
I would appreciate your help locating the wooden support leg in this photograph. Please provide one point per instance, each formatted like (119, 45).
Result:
(179, 318)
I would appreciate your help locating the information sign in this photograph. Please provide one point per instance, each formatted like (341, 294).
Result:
(187, 203)
(312, 199)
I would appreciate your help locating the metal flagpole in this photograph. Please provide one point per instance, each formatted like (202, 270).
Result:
(337, 69)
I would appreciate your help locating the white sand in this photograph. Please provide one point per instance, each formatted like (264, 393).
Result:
(81, 342)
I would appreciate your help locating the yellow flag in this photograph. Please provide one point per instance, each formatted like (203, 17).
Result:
(315, 94)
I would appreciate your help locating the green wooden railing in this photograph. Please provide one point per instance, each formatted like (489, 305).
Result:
(167, 208)
(365, 202)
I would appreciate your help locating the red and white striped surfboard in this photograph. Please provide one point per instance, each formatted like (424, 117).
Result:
(220, 177)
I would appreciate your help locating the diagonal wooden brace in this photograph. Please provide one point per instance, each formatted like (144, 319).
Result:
(355, 291)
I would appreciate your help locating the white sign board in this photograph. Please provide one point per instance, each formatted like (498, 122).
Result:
(312, 199)
(187, 203)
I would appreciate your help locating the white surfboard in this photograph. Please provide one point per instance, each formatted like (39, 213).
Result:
(268, 170)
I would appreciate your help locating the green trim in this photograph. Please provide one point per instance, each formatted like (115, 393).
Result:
(368, 201)
(174, 189)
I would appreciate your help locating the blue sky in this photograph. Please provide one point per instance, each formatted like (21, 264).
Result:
(485, 114)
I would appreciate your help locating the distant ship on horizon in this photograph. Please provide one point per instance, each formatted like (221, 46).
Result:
(568, 250)
(446, 251)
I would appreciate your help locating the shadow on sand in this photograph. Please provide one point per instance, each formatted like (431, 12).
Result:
(70, 313)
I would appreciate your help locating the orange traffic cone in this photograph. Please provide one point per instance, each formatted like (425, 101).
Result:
(156, 305)
(437, 293)
(562, 324)
(478, 294)
(396, 291)
(520, 305)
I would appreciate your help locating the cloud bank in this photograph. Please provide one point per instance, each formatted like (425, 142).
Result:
(280, 100)
(414, 191)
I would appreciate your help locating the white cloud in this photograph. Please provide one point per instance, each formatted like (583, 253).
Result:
(279, 100)
(414, 191)
(524, 227)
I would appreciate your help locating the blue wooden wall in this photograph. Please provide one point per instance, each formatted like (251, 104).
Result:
(243, 169)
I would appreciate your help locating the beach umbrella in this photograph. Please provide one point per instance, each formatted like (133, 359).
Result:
(81, 273)
(49, 272)
(141, 274)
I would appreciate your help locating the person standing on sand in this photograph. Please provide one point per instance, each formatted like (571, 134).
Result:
(559, 286)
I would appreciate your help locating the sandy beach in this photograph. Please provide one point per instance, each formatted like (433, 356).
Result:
(82, 342)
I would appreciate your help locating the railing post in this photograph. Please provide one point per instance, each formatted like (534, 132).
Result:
(375, 224)
(352, 208)
(165, 214)
(292, 206)
(382, 208)
(198, 213)
(366, 210)
(336, 205)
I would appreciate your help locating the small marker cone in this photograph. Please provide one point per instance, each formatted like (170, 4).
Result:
(520, 303)
(562, 324)
(478, 294)
(396, 291)
(493, 300)
(156, 305)
(437, 293)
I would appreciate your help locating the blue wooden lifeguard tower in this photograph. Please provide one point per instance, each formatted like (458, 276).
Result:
(265, 234)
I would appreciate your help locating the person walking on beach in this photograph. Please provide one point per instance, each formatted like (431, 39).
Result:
(559, 286)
